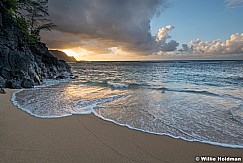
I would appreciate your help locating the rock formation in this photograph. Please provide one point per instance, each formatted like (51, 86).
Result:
(23, 65)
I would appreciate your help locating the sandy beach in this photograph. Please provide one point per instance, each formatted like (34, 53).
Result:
(86, 138)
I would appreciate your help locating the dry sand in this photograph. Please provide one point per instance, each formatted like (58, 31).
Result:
(86, 138)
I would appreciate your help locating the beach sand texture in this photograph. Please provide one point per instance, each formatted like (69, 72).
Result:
(86, 138)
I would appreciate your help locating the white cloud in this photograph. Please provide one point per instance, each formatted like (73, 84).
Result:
(234, 3)
(232, 46)
(161, 39)
(163, 33)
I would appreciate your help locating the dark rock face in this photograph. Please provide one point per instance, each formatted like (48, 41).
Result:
(2, 82)
(22, 65)
(2, 91)
(62, 56)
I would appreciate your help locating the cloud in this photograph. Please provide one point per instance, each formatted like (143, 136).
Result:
(234, 3)
(161, 38)
(185, 49)
(163, 33)
(168, 47)
(99, 25)
(232, 46)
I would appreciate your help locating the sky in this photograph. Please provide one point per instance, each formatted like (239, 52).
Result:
(147, 30)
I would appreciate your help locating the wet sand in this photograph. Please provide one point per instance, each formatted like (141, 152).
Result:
(86, 138)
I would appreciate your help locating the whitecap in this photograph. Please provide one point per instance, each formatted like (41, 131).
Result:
(117, 85)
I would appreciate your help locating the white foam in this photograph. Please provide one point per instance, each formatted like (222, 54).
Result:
(117, 85)
(46, 83)
(87, 106)
(165, 134)
(237, 113)
(83, 107)
(14, 101)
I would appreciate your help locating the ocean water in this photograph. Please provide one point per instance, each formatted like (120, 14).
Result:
(192, 100)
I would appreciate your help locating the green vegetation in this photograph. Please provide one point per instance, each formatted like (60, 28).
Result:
(10, 5)
(30, 16)
(36, 17)
(21, 22)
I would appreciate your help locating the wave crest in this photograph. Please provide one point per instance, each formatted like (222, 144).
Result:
(118, 85)
(163, 89)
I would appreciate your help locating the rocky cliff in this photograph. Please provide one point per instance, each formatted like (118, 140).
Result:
(62, 56)
(23, 65)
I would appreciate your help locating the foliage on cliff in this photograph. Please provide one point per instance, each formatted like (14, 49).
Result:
(9, 5)
(30, 16)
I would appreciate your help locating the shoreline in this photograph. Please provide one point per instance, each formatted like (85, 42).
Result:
(87, 138)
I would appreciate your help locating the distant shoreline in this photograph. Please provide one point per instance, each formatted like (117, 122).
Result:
(161, 61)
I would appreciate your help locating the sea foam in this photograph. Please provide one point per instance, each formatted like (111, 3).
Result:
(117, 85)
(237, 113)
(87, 106)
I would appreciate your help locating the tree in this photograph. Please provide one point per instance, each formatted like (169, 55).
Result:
(9, 5)
(30, 15)
(36, 12)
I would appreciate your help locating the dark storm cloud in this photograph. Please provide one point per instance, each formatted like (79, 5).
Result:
(100, 24)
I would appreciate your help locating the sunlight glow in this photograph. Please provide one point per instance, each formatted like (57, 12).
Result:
(70, 52)
(78, 53)
(113, 54)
